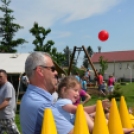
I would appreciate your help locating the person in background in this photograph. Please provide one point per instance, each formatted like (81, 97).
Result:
(77, 76)
(84, 86)
(111, 82)
(87, 75)
(100, 84)
(7, 105)
(84, 94)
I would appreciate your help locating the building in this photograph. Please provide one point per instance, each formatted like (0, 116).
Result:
(120, 63)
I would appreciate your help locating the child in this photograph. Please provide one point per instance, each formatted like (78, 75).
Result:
(68, 91)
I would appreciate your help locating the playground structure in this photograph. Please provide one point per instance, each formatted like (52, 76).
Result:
(118, 119)
(88, 57)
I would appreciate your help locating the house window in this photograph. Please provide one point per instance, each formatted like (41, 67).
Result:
(120, 66)
(127, 65)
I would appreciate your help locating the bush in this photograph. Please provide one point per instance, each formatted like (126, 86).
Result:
(117, 93)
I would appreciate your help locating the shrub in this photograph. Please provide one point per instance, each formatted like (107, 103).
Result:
(117, 93)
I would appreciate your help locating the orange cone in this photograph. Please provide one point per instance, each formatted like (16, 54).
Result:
(114, 124)
(80, 126)
(100, 126)
(125, 118)
(48, 125)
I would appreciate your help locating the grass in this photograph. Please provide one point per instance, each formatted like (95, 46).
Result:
(127, 92)
(17, 120)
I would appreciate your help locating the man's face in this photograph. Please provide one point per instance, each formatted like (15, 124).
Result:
(50, 76)
(3, 78)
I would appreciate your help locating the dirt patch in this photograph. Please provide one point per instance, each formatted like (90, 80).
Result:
(93, 91)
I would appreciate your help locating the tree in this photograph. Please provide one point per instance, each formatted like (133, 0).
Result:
(67, 53)
(8, 29)
(40, 34)
(85, 61)
(57, 56)
(103, 64)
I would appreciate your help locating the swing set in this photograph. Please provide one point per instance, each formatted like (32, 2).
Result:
(79, 49)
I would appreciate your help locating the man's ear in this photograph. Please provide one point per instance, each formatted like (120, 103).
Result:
(39, 70)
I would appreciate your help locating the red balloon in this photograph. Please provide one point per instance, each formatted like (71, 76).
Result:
(103, 35)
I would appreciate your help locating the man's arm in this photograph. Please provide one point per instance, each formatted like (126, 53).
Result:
(5, 103)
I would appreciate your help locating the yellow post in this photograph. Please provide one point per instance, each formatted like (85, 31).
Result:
(125, 118)
(114, 124)
(80, 126)
(100, 126)
(48, 124)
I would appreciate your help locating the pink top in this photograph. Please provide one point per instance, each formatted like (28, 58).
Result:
(81, 93)
(110, 81)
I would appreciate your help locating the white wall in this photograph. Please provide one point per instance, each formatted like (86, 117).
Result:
(121, 69)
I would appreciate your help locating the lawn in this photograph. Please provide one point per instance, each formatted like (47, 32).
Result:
(127, 92)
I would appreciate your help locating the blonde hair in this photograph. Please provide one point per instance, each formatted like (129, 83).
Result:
(67, 82)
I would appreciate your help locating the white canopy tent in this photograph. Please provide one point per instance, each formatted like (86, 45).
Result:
(13, 63)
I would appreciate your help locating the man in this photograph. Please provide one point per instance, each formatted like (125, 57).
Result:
(42, 76)
(7, 105)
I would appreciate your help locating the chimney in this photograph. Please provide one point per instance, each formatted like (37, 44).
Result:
(99, 49)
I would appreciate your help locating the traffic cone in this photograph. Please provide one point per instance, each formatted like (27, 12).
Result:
(100, 125)
(48, 124)
(124, 115)
(114, 123)
(80, 126)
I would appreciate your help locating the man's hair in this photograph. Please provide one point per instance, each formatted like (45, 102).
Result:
(33, 60)
(3, 71)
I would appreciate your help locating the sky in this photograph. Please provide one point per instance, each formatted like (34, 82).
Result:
(77, 23)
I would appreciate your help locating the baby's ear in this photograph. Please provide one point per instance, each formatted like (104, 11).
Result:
(63, 90)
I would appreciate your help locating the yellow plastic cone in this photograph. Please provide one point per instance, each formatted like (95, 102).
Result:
(100, 126)
(48, 124)
(80, 126)
(124, 115)
(114, 123)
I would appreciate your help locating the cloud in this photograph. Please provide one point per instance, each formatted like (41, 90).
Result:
(86, 37)
(47, 12)
(62, 34)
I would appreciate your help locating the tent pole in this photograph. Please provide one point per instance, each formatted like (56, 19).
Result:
(18, 91)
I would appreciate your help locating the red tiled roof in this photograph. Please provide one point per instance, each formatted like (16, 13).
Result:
(120, 56)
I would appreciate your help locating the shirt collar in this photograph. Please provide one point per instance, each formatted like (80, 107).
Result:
(40, 91)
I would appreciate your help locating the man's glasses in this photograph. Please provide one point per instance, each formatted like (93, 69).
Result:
(52, 68)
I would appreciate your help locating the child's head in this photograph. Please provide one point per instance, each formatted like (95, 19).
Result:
(69, 88)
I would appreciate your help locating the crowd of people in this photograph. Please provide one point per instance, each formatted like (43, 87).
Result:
(42, 86)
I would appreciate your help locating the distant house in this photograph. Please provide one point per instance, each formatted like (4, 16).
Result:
(120, 63)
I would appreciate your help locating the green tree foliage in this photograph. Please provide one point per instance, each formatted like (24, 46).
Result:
(8, 29)
(85, 61)
(40, 34)
(57, 56)
(117, 93)
(103, 64)
(67, 53)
